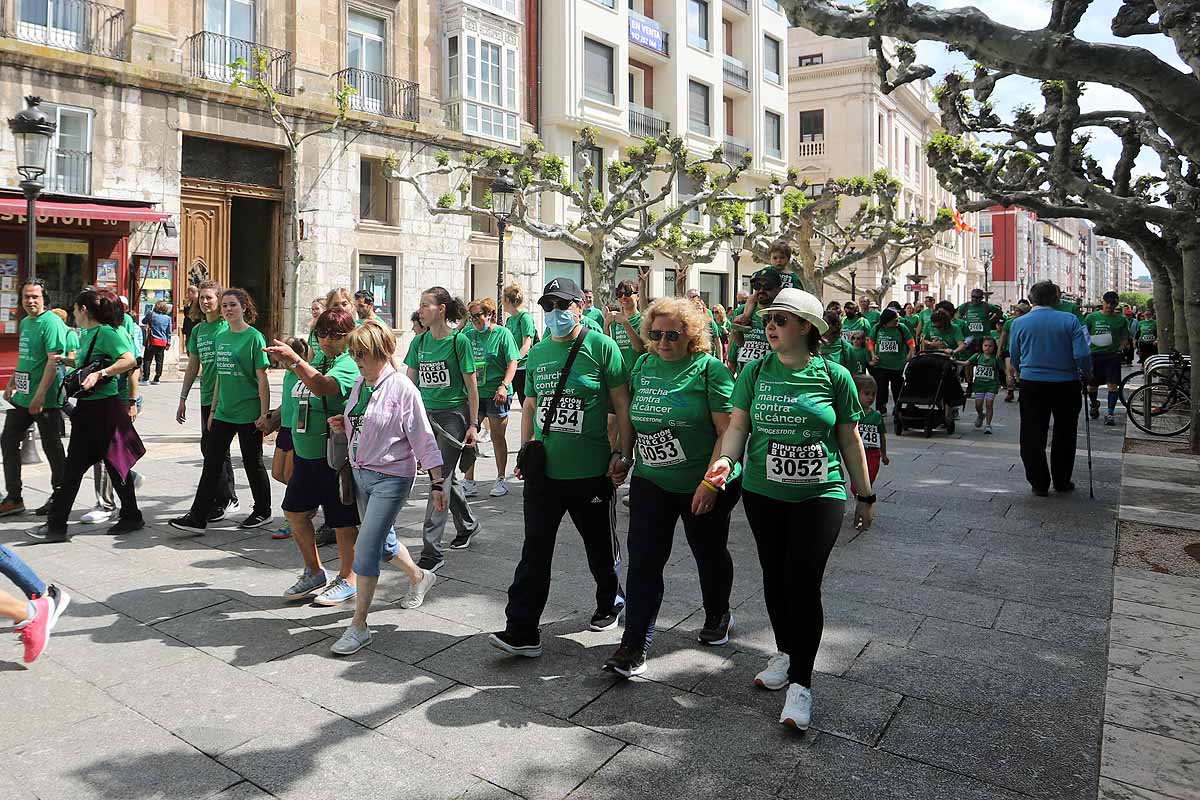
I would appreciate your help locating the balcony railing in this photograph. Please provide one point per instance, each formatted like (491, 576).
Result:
(79, 25)
(811, 149)
(70, 172)
(381, 94)
(648, 33)
(646, 123)
(735, 74)
(740, 5)
(223, 58)
(735, 151)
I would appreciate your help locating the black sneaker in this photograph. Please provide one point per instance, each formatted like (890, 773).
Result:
(126, 526)
(606, 619)
(1070, 487)
(1095, 412)
(716, 630)
(626, 662)
(515, 645)
(429, 565)
(255, 520)
(188, 523)
(326, 535)
(43, 509)
(42, 533)
(463, 540)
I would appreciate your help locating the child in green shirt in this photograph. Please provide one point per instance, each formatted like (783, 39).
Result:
(984, 378)
(859, 354)
(871, 428)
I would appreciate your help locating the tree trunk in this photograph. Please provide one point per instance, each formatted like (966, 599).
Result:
(1189, 247)
(602, 272)
(1181, 333)
(1163, 305)
(291, 282)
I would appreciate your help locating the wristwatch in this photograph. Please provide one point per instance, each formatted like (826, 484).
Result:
(869, 499)
(628, 462)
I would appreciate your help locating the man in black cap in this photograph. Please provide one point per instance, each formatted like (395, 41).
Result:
(581, 469)
(980, 317)
(749, 342)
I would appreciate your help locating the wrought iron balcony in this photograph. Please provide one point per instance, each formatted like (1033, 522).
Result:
(79, 25)
(735, 73)
(646, 123)
(735, 151)
(223, 58)
(70, 172)
(741, 5)
(381, 94)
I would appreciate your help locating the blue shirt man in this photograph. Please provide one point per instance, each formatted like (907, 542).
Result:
(1049, 345)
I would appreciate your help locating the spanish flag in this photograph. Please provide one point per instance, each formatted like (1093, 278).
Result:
(960, 224)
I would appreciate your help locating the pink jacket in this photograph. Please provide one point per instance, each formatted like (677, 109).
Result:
(394, 432)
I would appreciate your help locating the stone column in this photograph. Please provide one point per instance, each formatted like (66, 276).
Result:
(151, 40)
(315, 39)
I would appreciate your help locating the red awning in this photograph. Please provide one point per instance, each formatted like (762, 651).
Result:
(15, 206)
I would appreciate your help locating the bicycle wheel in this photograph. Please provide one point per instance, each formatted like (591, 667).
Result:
(1129, 385)
(1161, 409)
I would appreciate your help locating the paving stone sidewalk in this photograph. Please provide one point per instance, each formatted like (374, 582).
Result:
(965, 656)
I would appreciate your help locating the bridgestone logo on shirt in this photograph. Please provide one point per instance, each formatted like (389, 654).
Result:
(796, 463)
(888, 346)
(568, 416)
(751, 351)
(660, 449)
(435, 374)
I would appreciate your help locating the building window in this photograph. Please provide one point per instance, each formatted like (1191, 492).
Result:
(479, 198)
(687, 187)
(812, 126)
(377, 274)
(598, 72)
(70, 167)
(771, 57)
(697, 23)
(373, 199)
(763, 204)
(774, 134)
(365, 48)
(811, 60)
(595, 157)
(879, 135)
(489, 72)
(814, 190)
(699, 112)
(503, 6)
(985, 223)
(452, 76)
(563, 268)
(713, 287)
(488, 86)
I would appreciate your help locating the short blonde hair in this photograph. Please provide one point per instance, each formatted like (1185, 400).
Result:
(339, 293)
(691, 317)
(514, 295)
(371, 340)
(487, 305)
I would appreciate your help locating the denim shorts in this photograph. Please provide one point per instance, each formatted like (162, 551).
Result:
(380, 498)
(489, 408)
(313, 484)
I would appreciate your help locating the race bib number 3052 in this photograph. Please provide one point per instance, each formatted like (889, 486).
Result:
(20, 382)
(568, 416)
(660, 449)
(435, 374)
(796, 463)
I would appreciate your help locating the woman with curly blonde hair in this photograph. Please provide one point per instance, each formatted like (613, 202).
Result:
(680, 405)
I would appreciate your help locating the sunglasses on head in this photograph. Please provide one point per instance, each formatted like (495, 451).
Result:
(779, 319)
(672, 336)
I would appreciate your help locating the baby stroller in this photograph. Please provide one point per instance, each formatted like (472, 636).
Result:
(930, 382)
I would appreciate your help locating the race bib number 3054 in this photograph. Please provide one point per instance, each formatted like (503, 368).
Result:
(435, 374)
(796, 463)
(568, 416)
(660, 449)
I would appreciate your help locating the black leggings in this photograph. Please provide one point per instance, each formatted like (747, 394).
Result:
(153, 353)
(653, 513)
(883, 379)
(85, 449)
(225, 491)
(220, 437)
(794, 541)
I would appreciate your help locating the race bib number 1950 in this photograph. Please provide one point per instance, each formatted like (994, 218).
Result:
(796, 463)
(661, 449)
(568, 416)
(435, 374)
(20, 382)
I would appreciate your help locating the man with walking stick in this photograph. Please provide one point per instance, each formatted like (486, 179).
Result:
(1050, 355)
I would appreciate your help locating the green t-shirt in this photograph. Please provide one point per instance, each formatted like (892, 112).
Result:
(1148, 331)
(311, 443)
(872, 317)
(891, 345)
(124, 382)
(238, 357)
(624, 342)
(1070, 308)
(986, 375)
(871, 430)
(39, 336)
(440, 365)
(793, 452)
(951, 337)
(201, 343)
(1006, 330)
(849, 326)
(595, 315)
(672, 403)
(577, 446)
(521, 325)
(975, 316)
(111, 342)
(754, 341)
(493, 350)
(861, 357)
(287, 406)
(72, 343)
(925, 315)
(1107, 331)
(839, 352)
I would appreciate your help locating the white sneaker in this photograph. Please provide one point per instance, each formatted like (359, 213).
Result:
(416, 594)
(138, 479)
(468, 488)
(987, 429)
(353, 640)
(499, 489)
(797, 708)
(775, 676)
(96, 516)
(979, 420)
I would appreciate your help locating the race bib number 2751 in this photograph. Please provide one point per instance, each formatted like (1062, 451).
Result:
(796, 463)
(568, 415)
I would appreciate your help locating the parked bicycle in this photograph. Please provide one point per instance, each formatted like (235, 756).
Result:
(1163, 407)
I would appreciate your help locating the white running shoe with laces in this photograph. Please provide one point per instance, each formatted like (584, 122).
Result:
(775, 676)
(797, 708)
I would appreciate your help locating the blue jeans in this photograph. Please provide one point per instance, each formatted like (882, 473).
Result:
(17, 571)
(380, 498)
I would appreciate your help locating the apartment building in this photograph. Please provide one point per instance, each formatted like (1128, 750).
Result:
(843, 125)
(1119, 275)
(152, 127)
(709, 71)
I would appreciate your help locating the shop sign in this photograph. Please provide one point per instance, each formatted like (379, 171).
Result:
(64, 221)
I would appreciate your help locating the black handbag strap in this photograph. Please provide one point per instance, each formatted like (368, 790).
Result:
(562, 381)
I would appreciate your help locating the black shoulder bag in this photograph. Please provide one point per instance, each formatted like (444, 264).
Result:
(531, 459)
(72, 382)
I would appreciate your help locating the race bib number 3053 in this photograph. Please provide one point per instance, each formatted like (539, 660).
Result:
(568, 416)
(435, 374)
(20, 382)
(796, 463)
(660, 449)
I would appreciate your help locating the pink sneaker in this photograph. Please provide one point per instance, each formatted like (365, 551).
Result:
(35, 633)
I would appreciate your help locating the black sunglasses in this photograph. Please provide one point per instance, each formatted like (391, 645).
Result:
(625, 293)
(477, 315)
(672, 336)
(557, 305)
(779, 319)
(759, 286)
(331, 334)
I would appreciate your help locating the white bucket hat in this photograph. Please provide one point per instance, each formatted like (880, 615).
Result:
(802, 304)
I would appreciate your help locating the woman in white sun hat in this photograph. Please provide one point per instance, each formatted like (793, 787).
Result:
(795, 418)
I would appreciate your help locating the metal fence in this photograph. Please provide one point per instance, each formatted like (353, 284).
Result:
(735, 74)
(223, 58)
(79, 25)
(381, 94)
(70, 172)
(646, 123)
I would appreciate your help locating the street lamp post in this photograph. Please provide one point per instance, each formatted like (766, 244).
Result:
(853, 285)
(504, 191)
(32, 131)
(737, 240)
